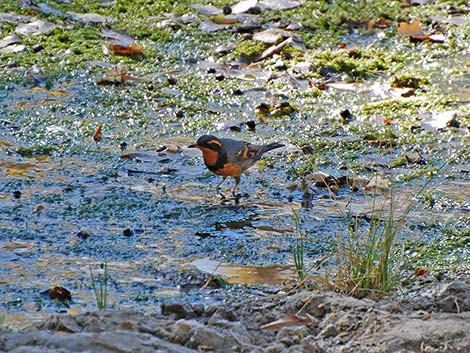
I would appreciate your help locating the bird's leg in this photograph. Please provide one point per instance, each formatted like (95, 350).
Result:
(237, 182)
(218, 187)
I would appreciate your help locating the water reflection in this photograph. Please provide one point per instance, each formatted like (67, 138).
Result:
(269, 275)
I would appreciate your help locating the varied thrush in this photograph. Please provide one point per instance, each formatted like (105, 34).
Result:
(230, 158)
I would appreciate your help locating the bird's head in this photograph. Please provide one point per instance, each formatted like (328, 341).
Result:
(207, 142)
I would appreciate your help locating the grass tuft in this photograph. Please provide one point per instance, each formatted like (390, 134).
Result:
(100, 286)
(366, 257)
(298, 248)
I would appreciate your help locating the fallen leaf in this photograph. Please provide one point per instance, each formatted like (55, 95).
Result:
(438, 121)
(125, 50)
(421, 272)
(224, 20)
(13, 49)
(122, 39)
(275, 49)
(9, 40)
(433, 38)
(55, 93)
(14, 18)
(209, 26)
(89, 18)
(409, 82)
(287, 320)
(280, 4)
(97, 135)
(412, 29)
(35, 28)
(378, 183)
(15, 245)
(39, 209)
(409, 3)
(116, 77)
(206, 9)
(244, 6)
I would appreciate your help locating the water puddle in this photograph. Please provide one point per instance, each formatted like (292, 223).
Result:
(255, 275)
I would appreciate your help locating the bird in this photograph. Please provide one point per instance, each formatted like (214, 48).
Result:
(230, 158)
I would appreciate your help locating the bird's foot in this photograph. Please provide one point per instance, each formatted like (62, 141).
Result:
(219, 193)
(236, 197)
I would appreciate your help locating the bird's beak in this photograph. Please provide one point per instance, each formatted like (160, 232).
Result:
(193, 146)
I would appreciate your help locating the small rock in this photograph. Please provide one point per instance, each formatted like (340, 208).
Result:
(128, 232)
(227, 10)
(83, 234)
(177, 310)
(37, 48)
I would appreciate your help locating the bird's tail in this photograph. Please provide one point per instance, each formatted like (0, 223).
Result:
(272, 146)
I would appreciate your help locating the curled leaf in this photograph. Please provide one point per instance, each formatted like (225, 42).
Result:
(98, 134)
(124, 50)
(288, 320)
(412, 29)
(275, 49)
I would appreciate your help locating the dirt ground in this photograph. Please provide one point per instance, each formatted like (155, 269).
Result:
(432, 318)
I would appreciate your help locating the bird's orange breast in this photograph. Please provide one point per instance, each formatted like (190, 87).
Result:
(230, 169)
(210, 156)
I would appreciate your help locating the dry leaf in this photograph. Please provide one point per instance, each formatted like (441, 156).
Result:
(421, 272)
(275, 49)
(412, 29)
(97, 134)
(117, 76)
(55, 93)
(130, 50)
(224, 20)
(378, 183)
(244, 6)
(433, 121)
(39, 209)
(287, 320)
(416, 34)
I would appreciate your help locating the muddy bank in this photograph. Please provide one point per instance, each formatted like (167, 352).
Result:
(433, 318)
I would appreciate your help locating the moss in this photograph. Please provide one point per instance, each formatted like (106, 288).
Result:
(36, 150)
(249, 49)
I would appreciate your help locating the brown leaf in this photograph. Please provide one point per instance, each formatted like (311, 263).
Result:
(60, 293)
(412, 29)
(287, 320)
(97, 135)
(55, 93)
(421, 272)
(39, 209)
(130, 50)
(416, 34)
(116, 77)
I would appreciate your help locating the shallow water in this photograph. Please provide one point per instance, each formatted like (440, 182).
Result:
(151, 212)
